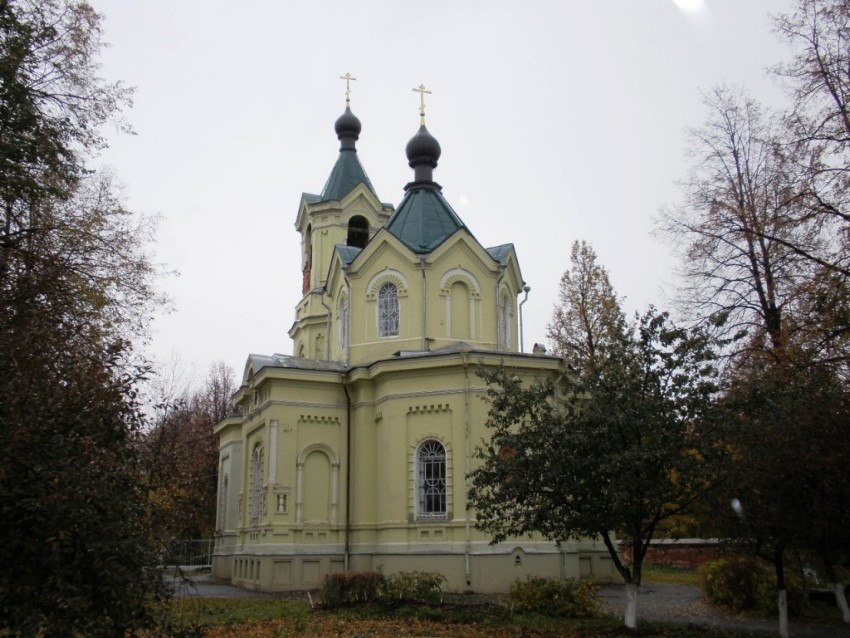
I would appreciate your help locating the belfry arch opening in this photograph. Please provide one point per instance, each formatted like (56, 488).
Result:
(358, 232)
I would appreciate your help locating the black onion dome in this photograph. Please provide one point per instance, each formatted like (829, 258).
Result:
(423, 148)
(347, 127)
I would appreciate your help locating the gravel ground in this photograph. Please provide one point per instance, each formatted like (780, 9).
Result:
(684, 604)
(674, 603)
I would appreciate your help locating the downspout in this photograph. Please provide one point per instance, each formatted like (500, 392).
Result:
(526, 289)
(347, 314)
(468, 548)
(500, 329)
(347, 532)
(422, 259)
(321, 292)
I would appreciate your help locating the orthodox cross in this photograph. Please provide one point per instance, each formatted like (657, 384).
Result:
(422, 91)
(348, 78)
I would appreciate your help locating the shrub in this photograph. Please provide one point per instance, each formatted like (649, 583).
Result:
(413, 586)
(355, 587)
(553, 597)
(744, 583)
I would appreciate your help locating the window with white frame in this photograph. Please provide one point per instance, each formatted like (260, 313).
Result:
(388, 312)
(431, 480)
(256, 484)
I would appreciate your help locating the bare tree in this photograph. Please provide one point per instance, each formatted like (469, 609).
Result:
(735, 223)
(181, 452)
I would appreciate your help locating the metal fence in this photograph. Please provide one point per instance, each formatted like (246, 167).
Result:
(195, 552)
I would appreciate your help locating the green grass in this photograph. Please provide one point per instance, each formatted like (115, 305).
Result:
(275, 618)
(669, 575)
(221, 612)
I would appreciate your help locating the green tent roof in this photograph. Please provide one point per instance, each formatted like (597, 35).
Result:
(347, 253)
(423, 220)
(500, 253)
(346, 174)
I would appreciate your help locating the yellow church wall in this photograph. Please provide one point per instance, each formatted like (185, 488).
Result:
(460, 262)
(342, 482)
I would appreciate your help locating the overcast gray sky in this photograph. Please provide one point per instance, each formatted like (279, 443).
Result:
(559, 120)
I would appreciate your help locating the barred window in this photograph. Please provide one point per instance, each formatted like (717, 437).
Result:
(431, 472)
(388, 310)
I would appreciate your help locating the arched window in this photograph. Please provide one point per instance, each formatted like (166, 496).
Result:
(256, 483)
(431, 480)
(388, 310)
(358, 232)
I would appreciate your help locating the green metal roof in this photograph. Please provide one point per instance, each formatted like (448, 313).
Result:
(347, 253)
(500, 253)
(346, 174)
(423, 220)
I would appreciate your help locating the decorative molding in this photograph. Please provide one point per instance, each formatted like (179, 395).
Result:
(429, 409)
(386, 275)
(313, 418)
(464, 276)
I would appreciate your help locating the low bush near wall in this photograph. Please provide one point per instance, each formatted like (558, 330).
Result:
(563, 598)
(745, 583)
(413, 586)
(339, 590)
(355, 587)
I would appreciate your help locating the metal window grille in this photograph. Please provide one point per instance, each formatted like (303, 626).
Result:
(432, 479)
(195, 552)
(388, 310)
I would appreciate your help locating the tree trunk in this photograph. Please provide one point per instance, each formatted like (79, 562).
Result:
(631, 605)
(782, 604)
(841, 601)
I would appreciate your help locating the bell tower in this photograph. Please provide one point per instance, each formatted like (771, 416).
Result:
(347, 212)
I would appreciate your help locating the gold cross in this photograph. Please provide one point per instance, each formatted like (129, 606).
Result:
(422, 91)
(348, 78)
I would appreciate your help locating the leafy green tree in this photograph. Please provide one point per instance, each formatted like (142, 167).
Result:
(75, 289)
(790, 444)
(621, 441)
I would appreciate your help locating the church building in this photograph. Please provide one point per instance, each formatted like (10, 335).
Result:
(352, 454)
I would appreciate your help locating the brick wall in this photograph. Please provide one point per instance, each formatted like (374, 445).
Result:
(684, 553)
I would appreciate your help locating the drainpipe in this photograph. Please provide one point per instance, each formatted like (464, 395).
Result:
(347, 556)
(422, 259)
(468, 549)
(500, 329)
(321, 292)
(526, 289)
